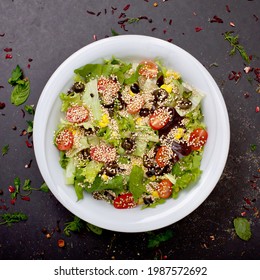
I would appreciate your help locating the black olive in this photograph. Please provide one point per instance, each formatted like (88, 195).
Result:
(184, 103)
(88, 131)
(144, 112)
(160, 95)
(109, 106)
(150, 172)
(111, 169)
(147, 162)
(148, 199)
(160, 81)
(128, 144)
(135, 88)
(85, 153)
(122, 103)
(78, 87)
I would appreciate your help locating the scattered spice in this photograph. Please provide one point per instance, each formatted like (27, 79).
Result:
(5, 150)
(257, 109)
(126, 7)
(8, 49)
(91, 13)
(29, 164)
(2, 34)
(256, 17)
(28, 144)
(216, 19)
(234, 76)
(215, 64)
(8, 56)
(155, 4)
(2, 105)
(253, 147)
(232, 24)
(1, 192)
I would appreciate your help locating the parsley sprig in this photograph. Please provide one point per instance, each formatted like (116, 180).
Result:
(233, 40)
(10, 218)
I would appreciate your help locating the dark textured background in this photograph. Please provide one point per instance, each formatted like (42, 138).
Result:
(50, 31)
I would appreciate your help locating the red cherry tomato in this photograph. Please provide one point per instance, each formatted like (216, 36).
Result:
(159, 119)
(135, 105)
(198, 138)
(148, 69)
(164, 188)
(163, 156)
(108, 86)
(103, 153)
(77, 114)
(124, 201)
(64, 140)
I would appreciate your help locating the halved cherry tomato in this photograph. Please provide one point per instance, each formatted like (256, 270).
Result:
(124, 201)
(164, 188)
(103, 153)
(198, 139)
(163, 156)
(108, 86)
(159, 119)
(148, 69)
(135, 105)
(64, 140)
(77, 114)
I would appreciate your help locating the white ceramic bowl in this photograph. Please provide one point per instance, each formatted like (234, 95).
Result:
(101, 213)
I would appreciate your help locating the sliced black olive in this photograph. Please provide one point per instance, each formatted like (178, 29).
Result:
(148, 199)
(85, 153)
(135, 88)
(78, 87)
(150, 172)
(128, 144)
(147, 161)
(160, 95)
(111, 169)
(109, 106)
(184, 104)
(88, 131)
(144, 112)
(121, 104)
(160, 81)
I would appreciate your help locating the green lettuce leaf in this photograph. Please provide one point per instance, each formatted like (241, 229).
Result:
(136, 184)
(20, 93)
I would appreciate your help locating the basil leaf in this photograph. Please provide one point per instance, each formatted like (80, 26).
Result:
(44, 188)
(20, 93)
(16, 75)
(242, 228)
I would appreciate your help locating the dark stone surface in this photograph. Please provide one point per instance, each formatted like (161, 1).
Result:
(49, 32)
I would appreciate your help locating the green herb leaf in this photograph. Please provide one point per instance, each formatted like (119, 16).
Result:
(156, 239)
(253, 147)
(242, 228)
(114, 33)
(136, 185)
(76, 226)
(10, 218)
(27, 185)
(97, 230)
(44, 188)
(29, 109)
(16, 76)
(233, 40)
(30, 126)
(20, 93)
(5, 150)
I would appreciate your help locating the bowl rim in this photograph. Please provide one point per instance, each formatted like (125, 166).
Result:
(45, 103)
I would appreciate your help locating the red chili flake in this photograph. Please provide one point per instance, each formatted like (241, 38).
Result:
(164, 19)
(61, 243)
(91, 13)
(12, 201)
(165, 257)
(1, 192)
(23, 113)
(28, 144)
(2, 105)
(170, 40)
(257, 109)
(126, 7)
(198, 29)
(243, 214)
(30, 59)
(256, 17)
(257, 74)
(234, 76)
(11, 189)
(8, 56)
(170, 22)
(26, 198)
(2, 34)
(98, 14)
(164, 31)
(216, 19)
(154, 28)
(2, 87)
(28, 66)
(8, 49)
(95, 37)
(247, 200)
(122, 15)
(105, 11)
(248, 69)
(246, 95)
(23, 132)
(232, 24)
(228, 9)
(250, 57)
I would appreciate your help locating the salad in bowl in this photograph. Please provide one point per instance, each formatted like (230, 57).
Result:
(132, 133)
